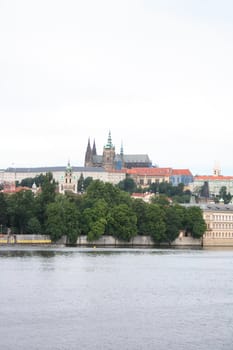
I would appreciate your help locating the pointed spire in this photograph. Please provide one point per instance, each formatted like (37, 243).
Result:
(68, 168)
(122, 151)
(94, 152)
(109, 143)
(88, 152)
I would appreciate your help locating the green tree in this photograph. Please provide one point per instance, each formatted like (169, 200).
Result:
(122, 222)
(46, 197)
(154, 222)
(20, 209)
(93, 219)
(107, 191)
(150, 220)
(48, 189)
(194, 222)
(224, 195)
(128, 185)
(63, 219)
(38, 180)
(33, 226)
(3, 212)
(140, 209)
(173, 221)
(162, 200)
(97, 229)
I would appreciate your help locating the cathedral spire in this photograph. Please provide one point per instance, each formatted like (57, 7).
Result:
(94, 152)
(121, 151)
(109, 144)
(68, 164)
(88, 155)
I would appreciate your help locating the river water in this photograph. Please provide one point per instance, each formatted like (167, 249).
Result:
(71, 298)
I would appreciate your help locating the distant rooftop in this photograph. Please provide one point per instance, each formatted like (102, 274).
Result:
(186, 172)
(53, 169)
(212, 177)
(150, 171)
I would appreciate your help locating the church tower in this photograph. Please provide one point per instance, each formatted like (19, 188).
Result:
(88, 155)
(68, 181)
(109, 154)
(217, 170)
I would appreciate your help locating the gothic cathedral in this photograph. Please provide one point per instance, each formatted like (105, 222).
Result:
(110, 160)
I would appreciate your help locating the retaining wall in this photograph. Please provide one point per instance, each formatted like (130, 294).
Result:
(217, 242)
(138, 241)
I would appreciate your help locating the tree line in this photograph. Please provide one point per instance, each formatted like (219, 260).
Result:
(102, 209)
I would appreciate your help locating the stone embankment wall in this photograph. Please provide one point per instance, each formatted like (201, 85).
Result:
(104, 241)
(110, 241)
(25, 239)
(217, 242)
(138, 241)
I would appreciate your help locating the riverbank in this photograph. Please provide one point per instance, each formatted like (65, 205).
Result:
(110, 241)
(104, 241)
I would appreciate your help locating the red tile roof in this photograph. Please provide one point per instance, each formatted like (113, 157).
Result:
(150, 171)
(185, 172)
(213, 178)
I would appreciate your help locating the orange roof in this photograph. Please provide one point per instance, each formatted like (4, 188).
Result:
(16, 189)
(213, 178)
(186, 172)
(139, 195)
(22, 188)
(150, 171)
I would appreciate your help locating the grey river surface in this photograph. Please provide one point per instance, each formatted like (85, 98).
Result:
(71, 298)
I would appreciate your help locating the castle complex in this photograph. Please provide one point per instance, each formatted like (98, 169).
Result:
(110, 160)
(114, 167)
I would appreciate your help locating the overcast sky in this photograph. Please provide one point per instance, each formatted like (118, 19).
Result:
(157, 73)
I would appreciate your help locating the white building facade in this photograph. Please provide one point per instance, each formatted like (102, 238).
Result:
(60, 174)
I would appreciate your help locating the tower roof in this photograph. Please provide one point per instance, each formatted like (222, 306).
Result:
(94, 152)
(109, 144)
(69, 168)
(88, 153)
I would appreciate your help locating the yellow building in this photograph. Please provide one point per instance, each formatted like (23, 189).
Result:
(219, 220)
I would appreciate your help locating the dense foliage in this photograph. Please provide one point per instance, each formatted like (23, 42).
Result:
(101, 209)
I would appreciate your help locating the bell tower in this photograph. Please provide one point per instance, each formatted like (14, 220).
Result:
(109, 154)
(68, 181)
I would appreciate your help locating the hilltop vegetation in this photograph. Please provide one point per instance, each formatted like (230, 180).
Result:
(102, 209)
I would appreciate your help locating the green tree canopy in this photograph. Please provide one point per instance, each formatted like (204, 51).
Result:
(3, 211)
(122, 222)
(128, 185)
(194, 222)
(63, 219)
(94, 219)
(20, 209)
(173, 221)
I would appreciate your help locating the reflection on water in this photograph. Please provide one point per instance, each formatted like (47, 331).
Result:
(86, 298)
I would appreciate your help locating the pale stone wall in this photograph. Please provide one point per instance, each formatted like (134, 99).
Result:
(112, 177)
(1, 176)
(217, 242)
(138, 241)
(25, 239)
(187, 241)
(104, 241)
(215, 184)
(219, 220)
(110, 241)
